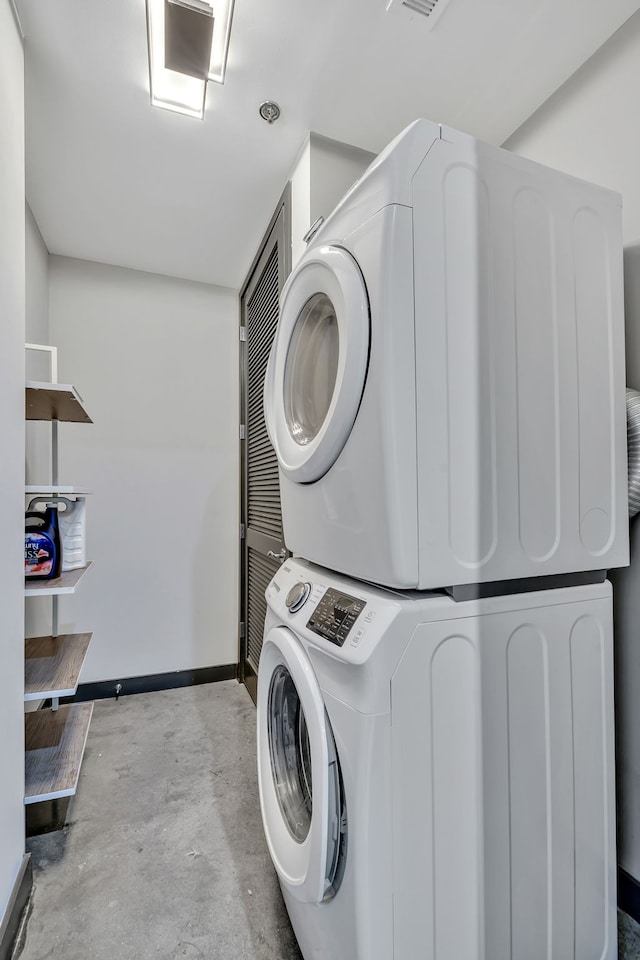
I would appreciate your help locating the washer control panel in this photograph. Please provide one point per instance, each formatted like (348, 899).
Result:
(335, 615)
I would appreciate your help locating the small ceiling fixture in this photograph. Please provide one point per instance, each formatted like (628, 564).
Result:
(269, 111)
(188, 44)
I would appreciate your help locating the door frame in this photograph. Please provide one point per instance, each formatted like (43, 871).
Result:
(246, 674)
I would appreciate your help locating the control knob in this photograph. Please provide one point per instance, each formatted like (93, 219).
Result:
(297, 596)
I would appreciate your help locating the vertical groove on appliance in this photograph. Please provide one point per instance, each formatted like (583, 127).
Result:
(456, 800)
(593, 317)
(263, 493)
(591, 815)
(537, 411)
(471, 311)
(529, 792)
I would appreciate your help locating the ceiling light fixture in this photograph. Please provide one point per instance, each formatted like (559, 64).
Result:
(188, 43)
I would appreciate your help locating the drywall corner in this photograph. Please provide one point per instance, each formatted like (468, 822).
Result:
(335, 167)
(322, 174)
(300, 201)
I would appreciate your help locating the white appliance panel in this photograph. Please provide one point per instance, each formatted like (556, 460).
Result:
(366, 503)
(490, 439)
(502, 744)
(358, 922)
(522, 348)
(475, 742)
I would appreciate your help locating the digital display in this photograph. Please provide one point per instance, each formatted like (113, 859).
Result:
(335, 615)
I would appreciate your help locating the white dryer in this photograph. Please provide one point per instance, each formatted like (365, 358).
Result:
(437, 778)
(445, 391)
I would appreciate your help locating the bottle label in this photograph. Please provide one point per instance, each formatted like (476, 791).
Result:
(38, 555)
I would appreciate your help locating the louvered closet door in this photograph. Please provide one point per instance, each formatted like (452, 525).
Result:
(263, 548)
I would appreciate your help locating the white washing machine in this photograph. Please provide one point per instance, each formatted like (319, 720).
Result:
(437, 778)
(446, 390)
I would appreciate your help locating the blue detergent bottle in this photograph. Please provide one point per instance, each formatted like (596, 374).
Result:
(42, 550)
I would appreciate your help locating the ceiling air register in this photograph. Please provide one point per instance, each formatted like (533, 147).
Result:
(429, 9)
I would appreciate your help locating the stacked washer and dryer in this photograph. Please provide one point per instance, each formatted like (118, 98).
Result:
(445, 395)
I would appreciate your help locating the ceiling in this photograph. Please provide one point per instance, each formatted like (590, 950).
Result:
(111, 179)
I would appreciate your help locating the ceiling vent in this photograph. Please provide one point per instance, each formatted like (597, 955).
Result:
(425, 7)
(430, 10)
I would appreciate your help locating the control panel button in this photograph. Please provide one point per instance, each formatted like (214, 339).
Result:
(297, 596)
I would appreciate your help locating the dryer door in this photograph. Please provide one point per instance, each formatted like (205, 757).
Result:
(318, 363)
(301, 794)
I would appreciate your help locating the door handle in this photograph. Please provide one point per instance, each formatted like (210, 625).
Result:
(280, 557)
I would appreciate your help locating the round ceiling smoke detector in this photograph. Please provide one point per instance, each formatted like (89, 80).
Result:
(269, 111)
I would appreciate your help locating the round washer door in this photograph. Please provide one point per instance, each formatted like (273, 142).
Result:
(318, 363)
(298, 773)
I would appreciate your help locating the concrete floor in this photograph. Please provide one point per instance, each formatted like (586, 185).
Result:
(628, 937)
(163, 855)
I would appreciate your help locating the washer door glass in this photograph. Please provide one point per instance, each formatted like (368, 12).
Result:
(311, 368)
(301, 790)
(318, 363)
(290, 753)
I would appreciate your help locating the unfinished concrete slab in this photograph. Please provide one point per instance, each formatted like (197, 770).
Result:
(163, 855)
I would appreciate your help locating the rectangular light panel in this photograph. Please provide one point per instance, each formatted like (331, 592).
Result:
(169, 89)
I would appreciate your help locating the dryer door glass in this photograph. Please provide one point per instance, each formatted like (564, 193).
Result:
(317, 368)
(311, 368)
(290, 754)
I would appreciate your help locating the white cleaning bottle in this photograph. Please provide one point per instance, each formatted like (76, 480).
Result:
(71, 522)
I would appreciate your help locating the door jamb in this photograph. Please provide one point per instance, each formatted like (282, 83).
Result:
(283, 206)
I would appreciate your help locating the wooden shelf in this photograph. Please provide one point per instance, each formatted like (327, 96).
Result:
(52, 665)
(65, 583)
(55, 742)
(56, 489)
(54, 401)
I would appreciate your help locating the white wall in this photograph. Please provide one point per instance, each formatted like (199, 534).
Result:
(38, 434)
(335, 167)
(12, 274)
(156, 361)
(37, 294)
(590, 129)
(300, 201)
(322, 174)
